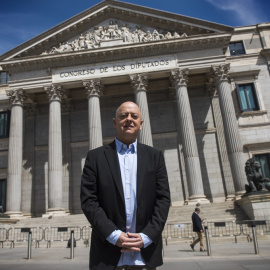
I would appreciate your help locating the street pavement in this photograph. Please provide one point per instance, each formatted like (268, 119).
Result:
(177, 256)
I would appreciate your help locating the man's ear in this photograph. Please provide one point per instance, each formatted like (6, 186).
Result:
(141, 125)
(114, 122)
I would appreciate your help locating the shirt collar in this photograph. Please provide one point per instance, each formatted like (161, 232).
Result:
(123, 147)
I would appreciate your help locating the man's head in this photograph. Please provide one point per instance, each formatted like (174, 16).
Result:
(197, 210)
(127, 122)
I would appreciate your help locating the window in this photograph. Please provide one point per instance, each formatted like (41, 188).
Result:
(3, 194)
(4, 124)
(247, 97)
(4, 77)
(264, 161)
(237, 48)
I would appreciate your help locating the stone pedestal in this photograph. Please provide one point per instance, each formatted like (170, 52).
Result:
(256, 205)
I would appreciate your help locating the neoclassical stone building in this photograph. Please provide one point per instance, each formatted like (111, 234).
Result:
(203, 89)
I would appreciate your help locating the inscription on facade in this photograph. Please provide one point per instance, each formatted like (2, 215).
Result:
(114, 69)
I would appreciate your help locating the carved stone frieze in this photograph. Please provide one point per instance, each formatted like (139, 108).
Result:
(139, 81)
(30, 109)
(93, 87)
(16, 97)
(117, 32)
(220, 72)
(179, 76)
(55, 92)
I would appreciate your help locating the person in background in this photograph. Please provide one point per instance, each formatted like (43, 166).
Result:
(197, 227)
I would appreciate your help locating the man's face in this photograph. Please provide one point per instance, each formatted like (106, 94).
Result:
(128, 122)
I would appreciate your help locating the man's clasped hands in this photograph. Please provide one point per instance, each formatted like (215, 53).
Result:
(130, 242)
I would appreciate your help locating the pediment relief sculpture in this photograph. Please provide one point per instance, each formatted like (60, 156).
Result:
(118, 33)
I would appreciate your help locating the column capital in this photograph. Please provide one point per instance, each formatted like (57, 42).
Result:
(179, 77)
(55, 92)
(139, 82)
(221, 72)
(16, 97)
(30, 109)
(93, 87)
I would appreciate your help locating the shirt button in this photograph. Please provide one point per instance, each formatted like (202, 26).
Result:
(128, 197)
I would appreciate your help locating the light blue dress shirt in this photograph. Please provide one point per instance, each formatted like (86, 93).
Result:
(127, 158)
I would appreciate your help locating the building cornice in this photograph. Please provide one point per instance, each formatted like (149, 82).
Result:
(121, 52)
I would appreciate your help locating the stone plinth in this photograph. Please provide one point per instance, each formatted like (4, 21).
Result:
(256, 205)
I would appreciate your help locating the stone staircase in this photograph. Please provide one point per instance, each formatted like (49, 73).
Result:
(213, 212)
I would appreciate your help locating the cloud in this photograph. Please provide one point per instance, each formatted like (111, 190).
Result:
(247, 12)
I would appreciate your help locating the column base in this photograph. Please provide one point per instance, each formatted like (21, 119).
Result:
(14, 215)
(55, 212)
(196, 199)
(239, 194)
(230, 198)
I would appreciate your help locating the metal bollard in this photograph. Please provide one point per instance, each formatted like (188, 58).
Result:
(72, 245)
(256, 247)
(29, 250)
(207, 241)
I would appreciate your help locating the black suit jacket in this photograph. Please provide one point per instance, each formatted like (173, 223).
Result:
(102, 200)
(197, 223)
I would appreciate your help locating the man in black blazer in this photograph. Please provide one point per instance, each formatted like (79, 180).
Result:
(125, 197)
(197, 227)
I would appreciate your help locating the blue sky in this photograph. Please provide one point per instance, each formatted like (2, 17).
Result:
(21, 20)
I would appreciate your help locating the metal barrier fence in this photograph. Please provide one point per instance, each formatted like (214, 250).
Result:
(21, 235)
(52, 234)
(180, 230)
(86, 234)
(218, 229)
(3, 236)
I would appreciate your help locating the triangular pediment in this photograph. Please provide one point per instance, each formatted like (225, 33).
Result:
(114, 23)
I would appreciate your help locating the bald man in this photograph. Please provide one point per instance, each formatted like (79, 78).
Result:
(125, 197)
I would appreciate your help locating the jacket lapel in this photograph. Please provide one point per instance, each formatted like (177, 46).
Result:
(112, 158)
(141, 165)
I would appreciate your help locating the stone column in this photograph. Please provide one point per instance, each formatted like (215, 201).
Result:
(139, 83)
(55, 180)
(93, 90)
(67, 162)
(15, 154)
(224, 159)
(179, 80)
(233, 141)
(28, 173)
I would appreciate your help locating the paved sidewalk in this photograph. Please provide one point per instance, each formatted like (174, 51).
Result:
(225, 256)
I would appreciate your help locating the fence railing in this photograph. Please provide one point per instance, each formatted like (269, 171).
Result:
(179, 230)
(218, 229)
(21, 235)
(86, 234)
(3, 236)
(52, 234)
